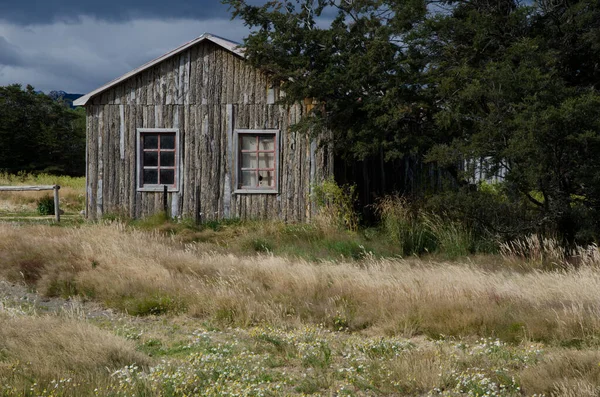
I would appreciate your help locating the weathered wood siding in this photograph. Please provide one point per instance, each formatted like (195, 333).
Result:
(206, 92)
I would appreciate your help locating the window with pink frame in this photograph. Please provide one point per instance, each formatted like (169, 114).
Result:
(257, 161)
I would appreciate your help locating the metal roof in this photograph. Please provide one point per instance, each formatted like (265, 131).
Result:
(226, 44)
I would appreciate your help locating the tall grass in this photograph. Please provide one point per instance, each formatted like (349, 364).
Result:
(146, 273)
(47, 348)
(548, 253)
(403, 225)
(75, 183)
(417, 231)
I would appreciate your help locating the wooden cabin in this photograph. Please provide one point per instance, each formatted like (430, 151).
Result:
(206, 125)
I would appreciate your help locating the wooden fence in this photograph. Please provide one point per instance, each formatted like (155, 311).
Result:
(56, 188)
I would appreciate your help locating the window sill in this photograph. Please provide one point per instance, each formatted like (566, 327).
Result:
(255, 191)
(158, 189)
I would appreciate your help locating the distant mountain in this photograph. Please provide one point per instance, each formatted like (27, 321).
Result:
(64, 96)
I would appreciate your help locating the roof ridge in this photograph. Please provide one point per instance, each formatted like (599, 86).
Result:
(220, 41)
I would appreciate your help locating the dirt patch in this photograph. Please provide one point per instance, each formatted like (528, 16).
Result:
(17, 297)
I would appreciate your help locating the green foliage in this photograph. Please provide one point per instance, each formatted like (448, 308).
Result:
(45, 205)
(260, 245)
(40, 134)
(508, 94)
(219, 224)
(453, 238)
(419, 229)
(150, 304)
(356, 68)
(514, 83)
(403, 225)
(336, 203)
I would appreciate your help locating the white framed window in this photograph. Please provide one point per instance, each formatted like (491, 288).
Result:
(157, 159)
(257, 161)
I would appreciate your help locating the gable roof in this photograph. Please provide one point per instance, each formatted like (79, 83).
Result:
(224, 43)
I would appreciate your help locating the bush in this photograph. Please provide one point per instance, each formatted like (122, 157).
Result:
(491, 211)
(336, 204)
(45, 205)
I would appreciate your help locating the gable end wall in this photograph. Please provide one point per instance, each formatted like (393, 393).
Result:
(206, 92)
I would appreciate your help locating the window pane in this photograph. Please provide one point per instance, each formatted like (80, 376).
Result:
(150, 159)
(150, 141)
(167, 159)
(267, 143)
(249, 160)
(266, 160)
(249, 179)
(150, 177)
(167, 177)
(266, 178)
(248, 142)
(167, 141)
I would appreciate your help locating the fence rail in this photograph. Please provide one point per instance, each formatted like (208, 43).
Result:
(38, 188)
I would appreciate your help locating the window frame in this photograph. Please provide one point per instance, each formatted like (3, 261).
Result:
(238, 133)
(140, 186)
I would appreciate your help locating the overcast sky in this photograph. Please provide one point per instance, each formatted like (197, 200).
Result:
(78, 45)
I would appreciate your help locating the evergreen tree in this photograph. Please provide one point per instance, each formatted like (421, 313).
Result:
(40, 134)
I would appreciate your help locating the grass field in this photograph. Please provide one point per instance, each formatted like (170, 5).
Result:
(188, 320)
(162, 308)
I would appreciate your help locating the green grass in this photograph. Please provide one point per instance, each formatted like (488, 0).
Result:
(305, 241)
(77, 183)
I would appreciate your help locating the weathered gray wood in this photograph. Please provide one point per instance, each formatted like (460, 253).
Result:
(37, 188)
(206, 92)
(88, 128)
(122, 131)
(56, 204)
(313, 174)
(228, 180)
(101, 156)
(176, 117)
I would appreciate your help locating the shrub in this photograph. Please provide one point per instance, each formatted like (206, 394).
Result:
(336, 204)
(45, 205)
(492, 213)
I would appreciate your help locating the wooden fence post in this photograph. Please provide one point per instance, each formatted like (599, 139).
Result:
(165, 201)
(56, 203)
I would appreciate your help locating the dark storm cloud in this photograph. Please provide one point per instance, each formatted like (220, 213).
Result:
(78, 57)
(49, 11)
(10, 55)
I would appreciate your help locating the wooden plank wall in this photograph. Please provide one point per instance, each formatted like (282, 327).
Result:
(201, 91)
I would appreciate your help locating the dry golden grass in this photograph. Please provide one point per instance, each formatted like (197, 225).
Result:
(72, 192)
(70, 199)
(148, 273)
(145, 273)
(46, 348)
(565, 373)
